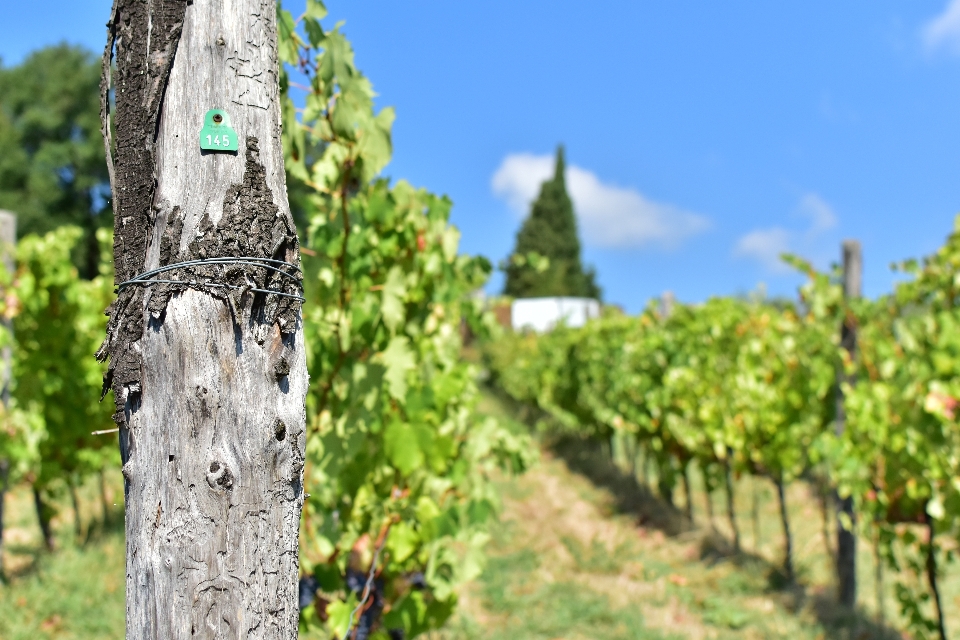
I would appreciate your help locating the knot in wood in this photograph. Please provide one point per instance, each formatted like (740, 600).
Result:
(219, 476)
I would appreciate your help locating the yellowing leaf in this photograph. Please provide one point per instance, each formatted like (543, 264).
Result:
(391, 305)
(451, 240)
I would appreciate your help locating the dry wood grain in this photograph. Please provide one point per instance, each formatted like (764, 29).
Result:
(211, 402)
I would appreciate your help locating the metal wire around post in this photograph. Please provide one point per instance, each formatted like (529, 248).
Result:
(277, 266)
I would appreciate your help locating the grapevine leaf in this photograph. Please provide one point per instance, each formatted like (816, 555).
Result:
(339, 612)
(402, 446)
(287, 40)
(394, 290)
(402, 542)
(315, 33)
(316, 10)
(398, 359)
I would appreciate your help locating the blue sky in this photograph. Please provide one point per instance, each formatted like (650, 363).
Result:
(702, 138)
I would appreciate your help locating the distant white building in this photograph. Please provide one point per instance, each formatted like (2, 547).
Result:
(542, 314)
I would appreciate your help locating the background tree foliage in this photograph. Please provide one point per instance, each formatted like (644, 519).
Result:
(52, 168)
(550, 231)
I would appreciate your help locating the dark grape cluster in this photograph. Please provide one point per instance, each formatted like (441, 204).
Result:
(307, 590)
(356, 582)
(418, 582)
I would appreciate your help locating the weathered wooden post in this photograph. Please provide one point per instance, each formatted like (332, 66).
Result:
(667, 301)
(205, 341)
(846, 534)
(8, 248)
(8, 241)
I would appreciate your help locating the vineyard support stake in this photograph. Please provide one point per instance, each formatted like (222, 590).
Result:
(846, 518)
(8, 240)
(208, 376)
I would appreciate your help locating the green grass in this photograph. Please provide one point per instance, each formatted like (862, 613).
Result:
(537, 610)
(76, 592)
(595, 557)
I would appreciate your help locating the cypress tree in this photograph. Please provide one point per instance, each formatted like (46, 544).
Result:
(551, 231)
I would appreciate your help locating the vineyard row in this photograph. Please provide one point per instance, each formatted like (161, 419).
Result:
(858, 396)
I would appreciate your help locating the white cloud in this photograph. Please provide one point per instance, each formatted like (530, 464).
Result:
(766, 245)
(944, 29)
(820, 213)
(517, 180)
(609, 216)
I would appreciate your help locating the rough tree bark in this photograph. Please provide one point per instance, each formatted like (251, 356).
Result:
(209, 381)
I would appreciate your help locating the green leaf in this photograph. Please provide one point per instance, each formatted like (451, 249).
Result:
(315, 33)
(451, 240)
(376, 147)
(427, 513)
(402, 542)
(287, 41)
(345, 333)
(386, 297)
(339, 614)
(316, 10)
(409, 612)
(398, 359)
(391, 304)
(402, 447)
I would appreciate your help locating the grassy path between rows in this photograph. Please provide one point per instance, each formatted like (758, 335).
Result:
(584, 551)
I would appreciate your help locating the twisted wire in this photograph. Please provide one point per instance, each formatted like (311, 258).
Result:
(147, 277)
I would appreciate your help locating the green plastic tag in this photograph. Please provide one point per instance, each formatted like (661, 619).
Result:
(217, 134)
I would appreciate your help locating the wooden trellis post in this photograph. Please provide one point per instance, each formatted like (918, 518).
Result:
(207, 367)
